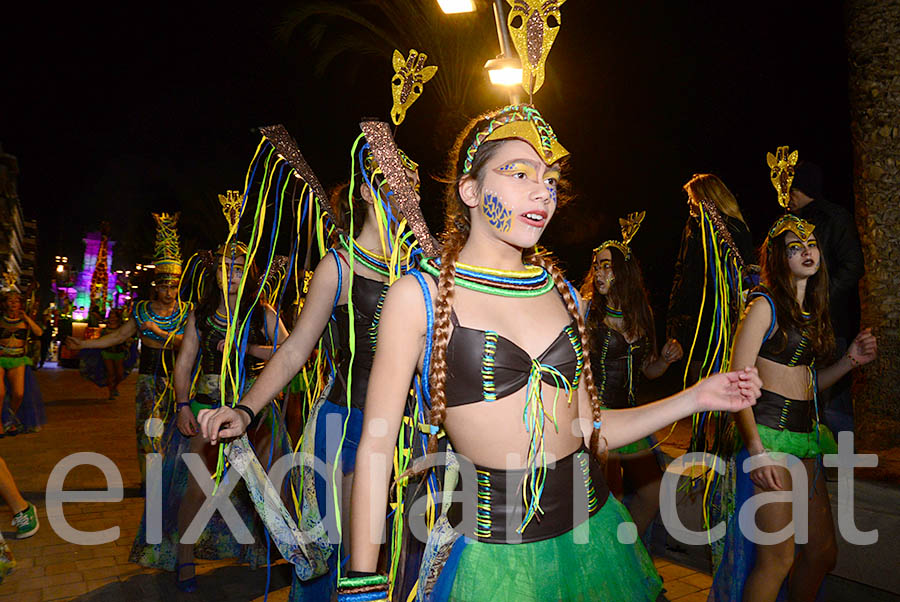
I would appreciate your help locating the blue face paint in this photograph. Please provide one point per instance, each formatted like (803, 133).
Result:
(497, 215)
(552, 190)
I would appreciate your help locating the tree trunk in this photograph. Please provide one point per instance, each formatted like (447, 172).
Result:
(873, 43)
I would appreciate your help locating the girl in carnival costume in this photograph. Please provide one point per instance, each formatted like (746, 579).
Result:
(342, 307)
(15, 367)
(786, 333)
(160, 324)
(622, 339)
(502, 344)
(199, 370)
(109, 367)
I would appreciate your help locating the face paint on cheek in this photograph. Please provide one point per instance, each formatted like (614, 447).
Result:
(553, 197)
(793, 250)
(497, 215)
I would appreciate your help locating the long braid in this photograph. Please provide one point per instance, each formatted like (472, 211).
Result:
(443, 306)
(544, 260)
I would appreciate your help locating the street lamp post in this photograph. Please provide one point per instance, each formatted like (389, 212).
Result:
(506, 69)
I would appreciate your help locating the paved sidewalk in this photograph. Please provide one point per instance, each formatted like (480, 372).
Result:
(80, 419)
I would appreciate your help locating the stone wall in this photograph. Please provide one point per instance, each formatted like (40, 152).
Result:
(873, 44)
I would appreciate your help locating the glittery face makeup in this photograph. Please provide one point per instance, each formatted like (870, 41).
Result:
(235, 270)
(803, 258)
(497, 215)
(604, 276)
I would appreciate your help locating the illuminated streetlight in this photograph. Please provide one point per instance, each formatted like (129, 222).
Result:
(149, 266)
(59, 269)
(504, 71)
(451, 7)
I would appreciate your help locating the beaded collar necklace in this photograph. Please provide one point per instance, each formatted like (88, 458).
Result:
(614, 313)
(532, 281)
(376, 263)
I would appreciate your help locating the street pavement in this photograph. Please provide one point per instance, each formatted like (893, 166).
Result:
(80, 418)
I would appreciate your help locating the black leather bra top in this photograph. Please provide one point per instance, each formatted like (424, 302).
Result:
(617, 366)
(210, 333)
(794, 351)
(368, 299)
(20, 333)
(485, 366)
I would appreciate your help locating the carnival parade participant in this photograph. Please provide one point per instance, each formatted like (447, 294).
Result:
(700, 321)
(205, 336)
(15, 365)
(511, 402)
(345, 296)
(160, 323)
(108, 367)
(622, 339)
(786, 333)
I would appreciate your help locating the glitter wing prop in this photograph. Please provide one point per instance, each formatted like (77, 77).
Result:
(286, 146)
(410, 75)
(533, 26)
(782, 165)
(378, 135)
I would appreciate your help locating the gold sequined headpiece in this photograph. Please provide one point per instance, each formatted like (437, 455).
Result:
(782, 165)
(410, 76)
(232, 203)
(630, 224)
(533, 26)
(519, 121)
(167, 255)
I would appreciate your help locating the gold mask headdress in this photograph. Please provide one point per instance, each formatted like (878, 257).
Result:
(533, 26)
(167, 255)
(519, 121)
(232, 203)
(630, 224)
(782, 165)
(410, 75)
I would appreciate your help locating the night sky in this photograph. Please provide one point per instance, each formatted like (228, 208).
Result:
(117, 111)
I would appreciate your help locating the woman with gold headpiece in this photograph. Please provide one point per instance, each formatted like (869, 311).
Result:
(623, 347)
(498, 334)
(160, 324)
(206, 332)
(786, 333)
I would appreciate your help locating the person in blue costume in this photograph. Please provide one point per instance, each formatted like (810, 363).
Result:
(202, 346)
(354, 273)
(160, 324)
(15, 365)
(109, 367)
(786, 333)
(623, 349)
(500, 334)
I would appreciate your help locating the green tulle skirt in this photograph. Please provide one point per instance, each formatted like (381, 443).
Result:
(8, 363)
(801, 445)
(559, 568)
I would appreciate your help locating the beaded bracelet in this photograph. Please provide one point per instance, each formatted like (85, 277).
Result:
(854, 363)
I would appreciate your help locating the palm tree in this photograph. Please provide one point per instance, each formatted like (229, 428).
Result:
(374, 28)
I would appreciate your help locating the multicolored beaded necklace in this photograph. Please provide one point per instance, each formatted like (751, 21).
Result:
(171, 323)
(376, 263)
(532, 281)
(616, 314)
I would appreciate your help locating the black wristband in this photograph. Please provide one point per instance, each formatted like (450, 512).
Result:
(248, 411)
